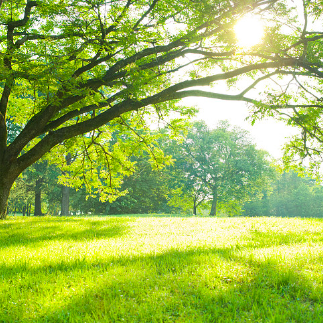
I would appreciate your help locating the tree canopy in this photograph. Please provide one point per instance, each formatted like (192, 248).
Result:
(221, 165)
(289, 195)
(71, 67)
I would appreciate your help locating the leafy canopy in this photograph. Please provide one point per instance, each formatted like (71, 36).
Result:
(220, 165)
(97, 67)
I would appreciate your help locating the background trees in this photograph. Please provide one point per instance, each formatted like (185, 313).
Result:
(221, 165)
(208, 168)
(246, 182)
(289, 195)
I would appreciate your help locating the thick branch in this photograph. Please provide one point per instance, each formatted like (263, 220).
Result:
(228, 75)
(58, 136)
(151, 7)
(305, 40)
(211, 95)
(38, 122)
(27, 37)
(24, 20)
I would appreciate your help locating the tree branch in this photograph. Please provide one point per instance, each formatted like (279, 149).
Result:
(24, 20)
(151, 7)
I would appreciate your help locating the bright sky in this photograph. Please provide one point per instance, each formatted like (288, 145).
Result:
(269, 135)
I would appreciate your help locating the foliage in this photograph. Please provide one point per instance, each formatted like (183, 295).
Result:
(70, 68)
(220, 165)
(290, 195)
(40, 178)
(148, 191)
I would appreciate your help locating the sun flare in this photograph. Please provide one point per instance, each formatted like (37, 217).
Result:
(249, 31)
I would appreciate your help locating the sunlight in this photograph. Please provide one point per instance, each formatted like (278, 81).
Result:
(249, 31)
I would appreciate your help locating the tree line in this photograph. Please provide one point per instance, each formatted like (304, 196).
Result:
(207, 171)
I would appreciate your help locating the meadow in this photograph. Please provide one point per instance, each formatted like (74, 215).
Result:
(161, 269)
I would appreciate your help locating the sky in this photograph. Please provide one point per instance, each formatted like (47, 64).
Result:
(268, 134)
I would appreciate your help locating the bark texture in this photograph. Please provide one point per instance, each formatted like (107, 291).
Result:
(65, 201)
(5, 187)
(38, 211)
(214, 204)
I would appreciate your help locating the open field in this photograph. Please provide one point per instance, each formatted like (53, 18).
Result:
(166, 269)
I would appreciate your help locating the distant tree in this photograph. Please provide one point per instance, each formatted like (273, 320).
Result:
(148, 190)
(186, 191)
(65, 202)
(21, 198)
(221, 165)
(289, 195)
(36, 190)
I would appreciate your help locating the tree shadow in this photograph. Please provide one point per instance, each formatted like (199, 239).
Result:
(274, 238)
(38, 230)
(173, 287)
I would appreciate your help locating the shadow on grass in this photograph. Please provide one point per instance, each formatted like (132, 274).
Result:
(263, 239)
(26, 231)
(177, 287)
(201, 285)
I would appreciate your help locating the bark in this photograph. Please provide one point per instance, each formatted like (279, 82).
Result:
(194, 207)
(66, 193)
(38, 211)
(214, 203)
(4, 194)
(65, 201)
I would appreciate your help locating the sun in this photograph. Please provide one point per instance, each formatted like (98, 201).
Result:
(249, 31)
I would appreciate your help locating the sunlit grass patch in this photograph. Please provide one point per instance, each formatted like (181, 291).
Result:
(132, 269)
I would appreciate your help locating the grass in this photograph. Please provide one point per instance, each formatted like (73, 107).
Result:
(161, 269)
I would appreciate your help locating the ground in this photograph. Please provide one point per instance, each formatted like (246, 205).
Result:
(161, 269)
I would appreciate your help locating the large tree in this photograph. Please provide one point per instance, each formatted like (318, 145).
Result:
(69, 67)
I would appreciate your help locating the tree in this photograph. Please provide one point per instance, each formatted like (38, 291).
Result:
(223, 162)
(148, 190)
(37, 189)
(288, 195)
(21, 197)
(65, 204)
(186, 191)
(72, 67)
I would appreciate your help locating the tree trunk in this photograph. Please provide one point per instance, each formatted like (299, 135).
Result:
(65, 206)
(4, 194)
(38, 211)
(214, 203)
(65, 201)
(194, 207)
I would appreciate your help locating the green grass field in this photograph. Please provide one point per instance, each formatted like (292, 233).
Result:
(161, 269)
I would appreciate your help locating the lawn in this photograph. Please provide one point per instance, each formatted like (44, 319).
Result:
(161, 269)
